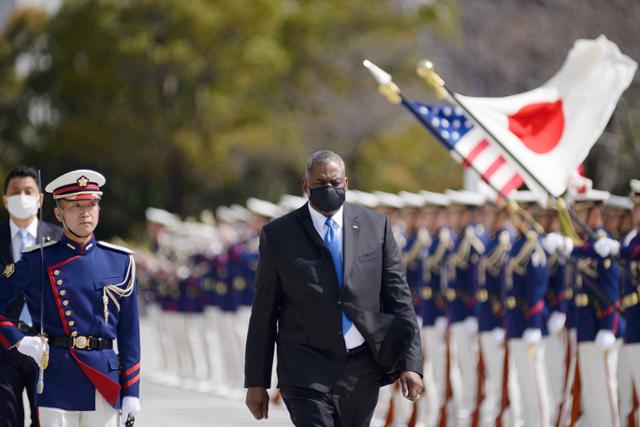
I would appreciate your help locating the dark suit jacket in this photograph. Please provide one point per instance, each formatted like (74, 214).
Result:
(298, 303)
(46, 230)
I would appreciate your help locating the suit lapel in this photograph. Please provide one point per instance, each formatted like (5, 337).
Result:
(6, 254)
(351, 234)
(305, 217)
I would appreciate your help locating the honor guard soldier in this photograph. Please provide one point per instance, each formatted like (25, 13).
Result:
(527, 278)
(391, 205)
(432, 308)
(466, 215)
(558, 250)
(617, 220)
(630, 254)
(88, 300)
(417, 240)
(597, 303)
(260, 213)
(490, 310)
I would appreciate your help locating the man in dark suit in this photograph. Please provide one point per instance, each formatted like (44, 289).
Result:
(331, 291)
(22, 198)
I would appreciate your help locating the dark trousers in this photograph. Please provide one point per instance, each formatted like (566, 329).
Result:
(350, 403)
(17, 372)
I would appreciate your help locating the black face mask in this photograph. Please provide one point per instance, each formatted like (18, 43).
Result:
(327, 199)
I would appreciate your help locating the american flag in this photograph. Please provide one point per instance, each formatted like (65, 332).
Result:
(467, 144)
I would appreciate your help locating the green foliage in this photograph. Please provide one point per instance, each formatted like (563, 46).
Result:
(406, 159)
(191, 104)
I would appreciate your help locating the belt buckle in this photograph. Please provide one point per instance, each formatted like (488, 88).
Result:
(81, 342)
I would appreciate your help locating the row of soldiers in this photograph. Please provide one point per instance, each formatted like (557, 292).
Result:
(520, 324)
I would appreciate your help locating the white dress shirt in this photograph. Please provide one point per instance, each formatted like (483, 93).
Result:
(16, 247)
(353, 338)
(16, 240)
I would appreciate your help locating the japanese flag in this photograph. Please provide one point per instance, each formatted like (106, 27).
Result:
(548, 132)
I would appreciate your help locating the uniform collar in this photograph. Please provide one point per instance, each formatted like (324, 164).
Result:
(77, 249)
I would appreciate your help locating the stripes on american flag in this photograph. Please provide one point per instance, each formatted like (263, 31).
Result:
(467, 144)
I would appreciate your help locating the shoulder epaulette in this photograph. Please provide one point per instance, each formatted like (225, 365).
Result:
(37, 246)
(115, 247)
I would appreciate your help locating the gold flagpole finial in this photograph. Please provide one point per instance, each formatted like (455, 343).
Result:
(386, 86)
(425, 69)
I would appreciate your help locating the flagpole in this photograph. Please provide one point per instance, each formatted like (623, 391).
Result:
(426, 70)
(394, 95)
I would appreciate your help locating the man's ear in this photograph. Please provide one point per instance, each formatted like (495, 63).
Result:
(346, 182)
(58, 213)
(5, 202)
(40, 200)
(304, 185)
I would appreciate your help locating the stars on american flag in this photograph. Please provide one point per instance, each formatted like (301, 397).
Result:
(450, 122)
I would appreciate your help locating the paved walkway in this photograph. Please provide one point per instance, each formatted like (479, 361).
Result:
(167, 406)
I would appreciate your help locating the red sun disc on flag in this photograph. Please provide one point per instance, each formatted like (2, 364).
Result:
(539, 126)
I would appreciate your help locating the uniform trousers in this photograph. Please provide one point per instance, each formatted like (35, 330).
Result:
(555, 353)
(599, 384)
(103, 416)
(464, 374)
(493, 352)
(434, 370)
(17, 373)
(350, 402)
(528, 388)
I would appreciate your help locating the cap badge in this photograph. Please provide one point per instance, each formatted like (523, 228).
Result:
(82, 181)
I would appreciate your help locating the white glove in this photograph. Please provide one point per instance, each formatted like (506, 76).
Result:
(556, 321)
(605, 339)
(130, 405)
(471, 325)
(605, 246)
(532, 336)
(552, 242)
(33, 347)
(498, 335)
(441, 325)
(567, 246)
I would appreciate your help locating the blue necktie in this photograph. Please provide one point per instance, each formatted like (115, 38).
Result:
(334, 246)
(25, 316)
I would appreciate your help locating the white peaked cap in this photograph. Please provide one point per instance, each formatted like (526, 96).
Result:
(290, 202)
(263, 208)
(592, 196)
(362, 198)
(77, 185)
(242, 214)
(161, 216)
(389, 200)
(619, 202)
(412, 200)
(225, 214)
(434, 199)
(524, 196)
(465, 198)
